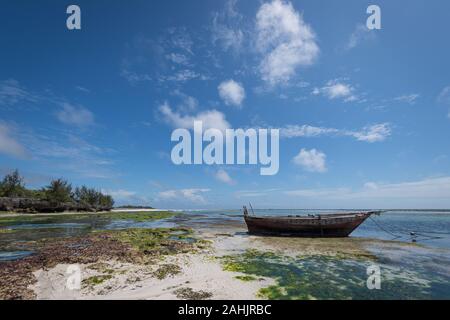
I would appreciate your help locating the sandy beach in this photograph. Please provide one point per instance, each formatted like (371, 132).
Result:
(202, 255)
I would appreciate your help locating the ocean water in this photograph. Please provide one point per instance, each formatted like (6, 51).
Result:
(431, 228)
(416, 265)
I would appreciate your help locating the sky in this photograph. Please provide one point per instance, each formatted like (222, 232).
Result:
(364, 115)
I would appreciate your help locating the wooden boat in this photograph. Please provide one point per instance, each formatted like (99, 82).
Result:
(311, 226)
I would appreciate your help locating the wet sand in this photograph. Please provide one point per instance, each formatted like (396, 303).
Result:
(217, 259)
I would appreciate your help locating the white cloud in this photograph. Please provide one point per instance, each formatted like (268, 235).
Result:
(336, 89)
(187, 103)
(431, 188)
(360, 34)
(223, 176)
(407, 98)
(167, 59)
(285, 41)
(11, 93)
(126, 197)
(121, 193)
(211, 119)
(168, 194)
(226, 28)
(178, 58)
(444, 96)
(9, 145)
(75, 115)
(82, 89)
(311, 160)
(370, 186)
(192, 195)
(293, 131)
(231, 92)
(255, 193)
(70, 154)
(372, 133)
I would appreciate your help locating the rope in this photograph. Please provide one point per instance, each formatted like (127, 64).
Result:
(413, 235)
(385, 230)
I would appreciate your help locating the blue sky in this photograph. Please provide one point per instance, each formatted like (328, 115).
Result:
(363, 115)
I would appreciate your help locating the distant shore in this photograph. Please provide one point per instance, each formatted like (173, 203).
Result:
(14, 214)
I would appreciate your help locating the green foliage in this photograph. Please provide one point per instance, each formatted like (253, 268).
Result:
(96, 280)
(12, 185)
(92, 197)
(59, 191)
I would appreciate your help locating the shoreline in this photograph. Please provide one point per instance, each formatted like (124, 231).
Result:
(216, 259)
(70, 213)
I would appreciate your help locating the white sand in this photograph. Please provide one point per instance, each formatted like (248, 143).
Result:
(200, 272)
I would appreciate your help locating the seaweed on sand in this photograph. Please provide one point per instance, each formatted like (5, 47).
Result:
(322, 277)
(166, 270)
(133, 245)
(100, 216)
(190, 294)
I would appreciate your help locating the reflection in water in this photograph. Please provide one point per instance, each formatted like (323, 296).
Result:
(13, 255)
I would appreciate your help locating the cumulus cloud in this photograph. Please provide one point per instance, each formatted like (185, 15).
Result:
(75, 115)
(210, 119)
(372, 133)
(311, 160)
(336, 89)
(231, 92)
(285, 41)
(223, 176)
(9, 145)
(193, 195)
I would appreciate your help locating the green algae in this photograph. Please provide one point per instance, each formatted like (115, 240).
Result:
(167, 270)
(158, 241)
(246, 278)
(140, 216)
(326, 277)
(190, 294)
(96, 280)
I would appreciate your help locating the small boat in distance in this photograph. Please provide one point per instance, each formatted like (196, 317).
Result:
(336, 225)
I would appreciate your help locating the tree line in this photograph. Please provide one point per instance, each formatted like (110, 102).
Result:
(58, 191)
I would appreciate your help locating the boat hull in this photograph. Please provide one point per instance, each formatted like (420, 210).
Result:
(331, 226)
